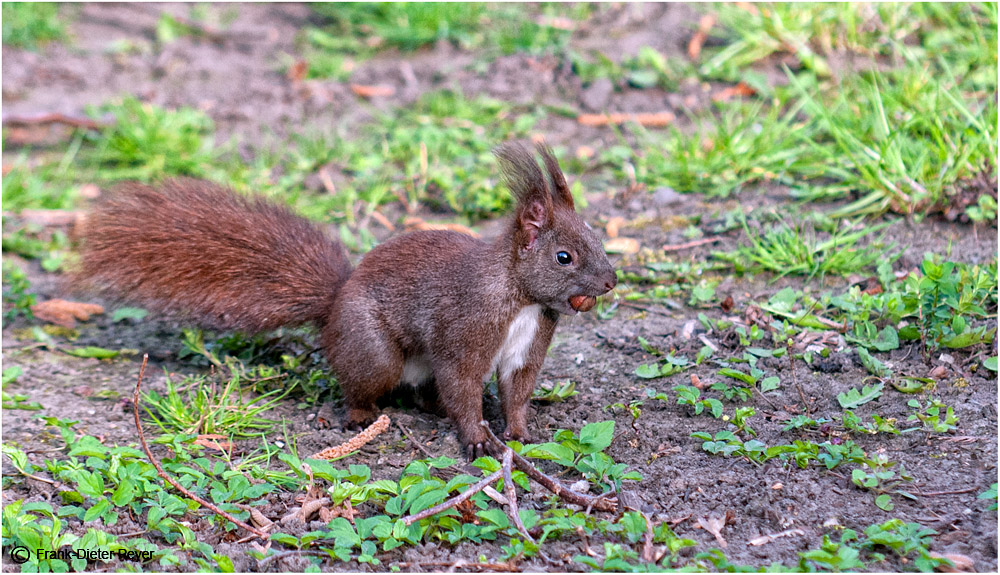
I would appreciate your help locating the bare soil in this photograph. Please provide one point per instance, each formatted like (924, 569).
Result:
(239, 83)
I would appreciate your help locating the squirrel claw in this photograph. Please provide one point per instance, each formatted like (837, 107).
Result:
(474, 451)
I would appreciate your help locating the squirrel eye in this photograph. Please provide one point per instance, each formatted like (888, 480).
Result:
(564, 258)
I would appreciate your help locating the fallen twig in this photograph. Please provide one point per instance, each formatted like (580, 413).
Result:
(355, 443)
(688, 245)
(53, 118)
(956, 492)
(163, 474)
(547, 482)
(698, 40)
(461, 564)
(411, 519)
(647, 544)
(656, 120)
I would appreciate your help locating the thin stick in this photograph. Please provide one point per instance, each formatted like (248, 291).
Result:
(413, 440)
(461, 564)
(547, 482)
(163, 474)
(688, 245)
(410, 519)
(54, 118)
(647, 544)
(957, 492)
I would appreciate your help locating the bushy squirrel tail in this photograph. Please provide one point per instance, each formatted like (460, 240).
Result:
(201, 250)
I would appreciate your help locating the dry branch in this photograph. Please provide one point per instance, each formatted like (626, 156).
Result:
(163, 474)
(599, 503)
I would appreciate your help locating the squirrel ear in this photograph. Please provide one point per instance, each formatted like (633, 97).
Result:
(561, 192)
(532, 217)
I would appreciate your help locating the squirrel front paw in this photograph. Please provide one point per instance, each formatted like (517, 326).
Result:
(518, 433)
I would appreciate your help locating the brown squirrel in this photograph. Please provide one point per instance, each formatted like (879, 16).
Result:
(429, 307)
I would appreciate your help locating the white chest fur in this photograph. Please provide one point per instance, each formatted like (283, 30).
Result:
(520, 335)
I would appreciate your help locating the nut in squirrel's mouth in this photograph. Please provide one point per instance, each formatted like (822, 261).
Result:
(582, 302)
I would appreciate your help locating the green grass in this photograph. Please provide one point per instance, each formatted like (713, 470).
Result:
(784, 249)
(910, 129)
(32, 24)
(146, 143)
(354, 31)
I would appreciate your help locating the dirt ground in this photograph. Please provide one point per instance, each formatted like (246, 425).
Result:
(239, 83)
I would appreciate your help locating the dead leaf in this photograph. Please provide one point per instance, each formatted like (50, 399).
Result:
(51, 218)
(696, 381)
(214, 441)
(655, 119)
(727, 304)
(726, 94)
(961, 563)
(417, 224)
(698, 40)
(372, 91)
(64, 313)
(614, 224)
(771, 537)
(939, 372)
(621, 246)
(714, 524)
(298, 71)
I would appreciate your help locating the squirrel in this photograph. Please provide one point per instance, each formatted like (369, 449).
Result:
(434, 308)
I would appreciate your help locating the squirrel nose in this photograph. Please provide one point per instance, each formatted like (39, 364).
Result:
(611, 283)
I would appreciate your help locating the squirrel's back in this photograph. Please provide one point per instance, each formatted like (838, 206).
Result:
(199, 249)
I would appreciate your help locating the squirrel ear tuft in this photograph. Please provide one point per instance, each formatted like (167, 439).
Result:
(526, 181)
(560, 191)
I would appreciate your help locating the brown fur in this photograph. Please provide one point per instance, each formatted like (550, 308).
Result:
(431, 306)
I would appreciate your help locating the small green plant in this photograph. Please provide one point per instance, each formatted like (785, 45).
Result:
(669, 365)
(690, 395)
(147, 143)
(31, 24)
(584, 452)
(934, 415)
(877, 475)
(990, 493)
(197, 406)
(853, 398)
(16, 400)
(853, 423)
(16, 299)
(740, 420)
(557, 392)
(787, 250)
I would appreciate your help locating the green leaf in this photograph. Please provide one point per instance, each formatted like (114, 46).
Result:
(853, 398)
(874, 366)
(596, 436)
(990, 363)
(648, 371)
(93, 352)
(124, 494)
(884, 502)
(887, 339)
(124, 313)
(769, 383)
(738, 375)
(97, 510)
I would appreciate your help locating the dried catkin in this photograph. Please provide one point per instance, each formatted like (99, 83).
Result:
(355, 443)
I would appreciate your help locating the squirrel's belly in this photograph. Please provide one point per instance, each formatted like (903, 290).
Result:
(520, 335)
(417, 371)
